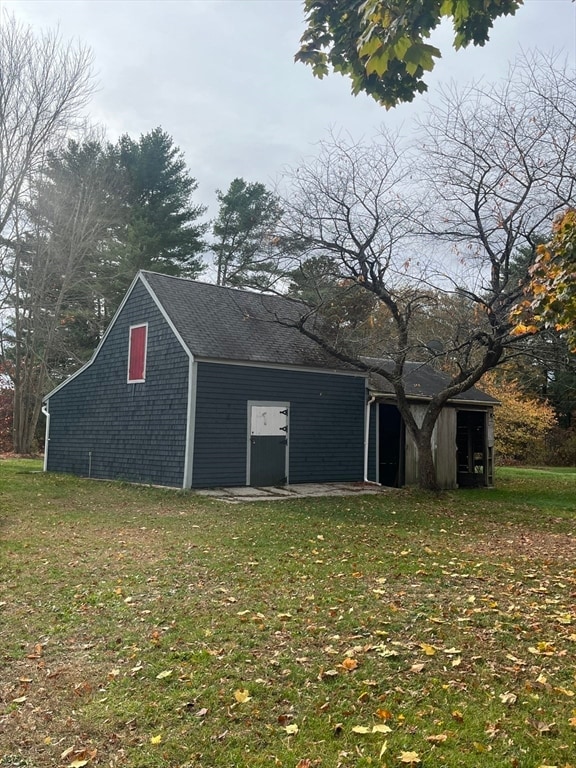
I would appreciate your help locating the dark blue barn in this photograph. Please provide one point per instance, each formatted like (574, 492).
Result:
(195, 385)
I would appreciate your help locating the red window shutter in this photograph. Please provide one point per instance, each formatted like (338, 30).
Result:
(137, 353)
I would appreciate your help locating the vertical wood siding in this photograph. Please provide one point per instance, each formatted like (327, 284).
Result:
(326, 440)
(106, 428)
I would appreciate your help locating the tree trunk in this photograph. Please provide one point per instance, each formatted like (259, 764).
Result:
(427, 479)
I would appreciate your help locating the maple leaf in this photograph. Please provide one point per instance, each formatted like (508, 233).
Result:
(349, 664)
(412, 758)
(156, 739)
(428, 649)
(242, 696)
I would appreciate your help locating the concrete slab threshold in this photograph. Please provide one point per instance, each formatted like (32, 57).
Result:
(241, 494)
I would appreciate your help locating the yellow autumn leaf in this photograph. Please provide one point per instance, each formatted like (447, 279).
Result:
(242, 696)
(383, 749)
(164, 674)
(156, 739)
(412, 758)
(292, 729)
(381, 728)
(428, 649)
(78, 764)
(360, 729)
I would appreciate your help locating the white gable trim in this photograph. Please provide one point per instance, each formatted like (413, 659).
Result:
(139, 278)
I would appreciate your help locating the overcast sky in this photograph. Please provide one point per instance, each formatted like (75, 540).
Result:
(219, 76)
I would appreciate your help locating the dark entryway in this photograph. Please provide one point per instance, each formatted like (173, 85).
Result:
(391, 446)
(471, 449)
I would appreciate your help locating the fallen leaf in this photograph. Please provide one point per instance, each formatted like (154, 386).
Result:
(292, 729)
(78, 764)
(508, 698)
(383, 749)
(412, 758)
(458, 716)
(349, 664)
(417, 667)
(437, 739)
(360, 729)
(156, 739)
(19, 700)
(165, 673)
(381, 728)
(242, 696)
(428, 649)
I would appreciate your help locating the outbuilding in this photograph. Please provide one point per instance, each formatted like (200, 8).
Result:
(195, 385)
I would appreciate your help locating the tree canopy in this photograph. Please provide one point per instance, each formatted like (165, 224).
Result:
(380, 44)
(431, 231)
(551, 293)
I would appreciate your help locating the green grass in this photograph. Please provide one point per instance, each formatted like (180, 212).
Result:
(154, 629)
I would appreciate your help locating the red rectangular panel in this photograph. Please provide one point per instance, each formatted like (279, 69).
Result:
(137, 353)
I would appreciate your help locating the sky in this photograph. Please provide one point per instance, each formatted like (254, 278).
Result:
(219, 76)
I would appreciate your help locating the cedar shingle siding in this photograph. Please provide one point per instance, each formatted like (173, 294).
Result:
(134, 432)
(326, 423)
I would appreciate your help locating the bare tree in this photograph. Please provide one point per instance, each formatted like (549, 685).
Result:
(493, 167)
(44, 87)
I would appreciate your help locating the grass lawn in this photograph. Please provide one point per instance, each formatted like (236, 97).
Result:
(157, 629)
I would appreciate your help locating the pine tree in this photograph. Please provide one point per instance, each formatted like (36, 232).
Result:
(246, 245)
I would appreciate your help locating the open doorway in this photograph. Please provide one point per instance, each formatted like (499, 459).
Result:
(391, 446)
(472, 452)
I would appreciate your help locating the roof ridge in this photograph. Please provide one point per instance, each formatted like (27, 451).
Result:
(221, 287)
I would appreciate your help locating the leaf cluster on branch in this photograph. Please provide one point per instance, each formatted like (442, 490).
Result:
(380, 44)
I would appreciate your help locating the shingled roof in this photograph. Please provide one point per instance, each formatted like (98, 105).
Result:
(421, 381)
(222, 323)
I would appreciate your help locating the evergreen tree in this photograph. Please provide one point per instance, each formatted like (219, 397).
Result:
(163, 232)
(246, 246)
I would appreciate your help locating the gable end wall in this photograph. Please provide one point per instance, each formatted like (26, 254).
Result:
(103, 427)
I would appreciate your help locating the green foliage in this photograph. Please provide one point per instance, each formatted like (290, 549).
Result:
(380, 44)
(163, 232)
(246, 244)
